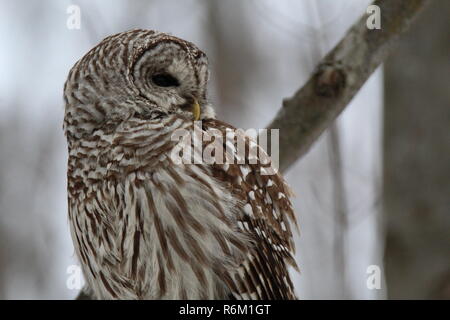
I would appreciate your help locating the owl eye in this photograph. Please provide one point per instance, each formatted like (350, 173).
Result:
(165, 80)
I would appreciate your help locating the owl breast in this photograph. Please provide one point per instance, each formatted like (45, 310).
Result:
(144, 227)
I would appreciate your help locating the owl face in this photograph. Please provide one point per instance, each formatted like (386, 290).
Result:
(171, 76)
(136, 73)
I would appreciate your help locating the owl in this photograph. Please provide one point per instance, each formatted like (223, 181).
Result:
(145, 226)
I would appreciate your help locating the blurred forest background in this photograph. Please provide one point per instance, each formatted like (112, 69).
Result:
(374, 190)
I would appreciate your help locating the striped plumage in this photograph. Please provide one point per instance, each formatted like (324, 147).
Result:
(145, 227)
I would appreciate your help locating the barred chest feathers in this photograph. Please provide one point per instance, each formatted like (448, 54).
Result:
(161, 231)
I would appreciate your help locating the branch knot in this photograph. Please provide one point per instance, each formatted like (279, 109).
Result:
(329, 80)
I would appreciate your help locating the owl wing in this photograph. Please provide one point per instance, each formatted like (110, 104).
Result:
(265, 217)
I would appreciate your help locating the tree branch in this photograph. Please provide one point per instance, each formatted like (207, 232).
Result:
(338, 78)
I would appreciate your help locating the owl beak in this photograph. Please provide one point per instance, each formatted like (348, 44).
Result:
(196, 110)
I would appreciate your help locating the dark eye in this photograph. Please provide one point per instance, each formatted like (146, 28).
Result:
(165, 80)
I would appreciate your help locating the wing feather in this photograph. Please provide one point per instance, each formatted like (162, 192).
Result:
(265, 216)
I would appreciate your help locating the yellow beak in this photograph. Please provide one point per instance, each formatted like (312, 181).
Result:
(196, 110)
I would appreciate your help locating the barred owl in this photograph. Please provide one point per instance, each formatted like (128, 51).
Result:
(143, 226)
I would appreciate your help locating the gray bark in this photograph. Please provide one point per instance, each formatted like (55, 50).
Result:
(417, 158)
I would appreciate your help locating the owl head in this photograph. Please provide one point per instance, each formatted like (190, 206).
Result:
(138, 73)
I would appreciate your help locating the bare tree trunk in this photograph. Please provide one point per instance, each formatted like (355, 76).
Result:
(233, 58)
(340, 212)
(417, 158)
